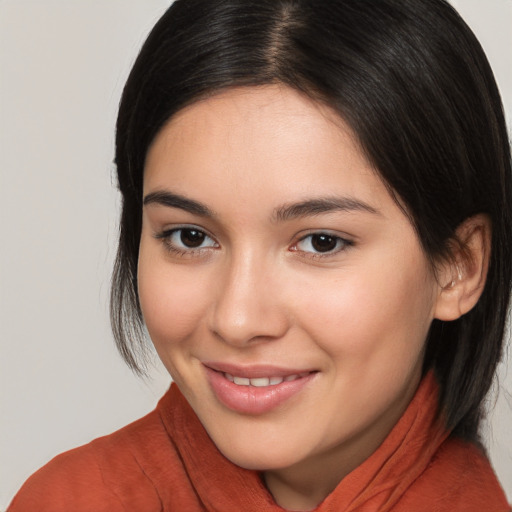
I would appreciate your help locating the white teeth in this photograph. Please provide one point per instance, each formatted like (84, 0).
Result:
(241, 381)
(263, 381)
(259, 383)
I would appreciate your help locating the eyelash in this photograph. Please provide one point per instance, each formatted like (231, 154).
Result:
(341, 244)
(167, 235)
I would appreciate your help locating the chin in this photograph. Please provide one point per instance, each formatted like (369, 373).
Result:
(259, 463)
(255, 457)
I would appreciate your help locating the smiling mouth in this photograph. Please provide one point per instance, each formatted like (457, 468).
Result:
(257, 389)
(261, 382)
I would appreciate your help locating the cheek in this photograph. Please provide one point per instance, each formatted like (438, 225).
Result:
(172, 301)
(376, 313)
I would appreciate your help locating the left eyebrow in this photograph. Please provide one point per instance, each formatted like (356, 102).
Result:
(321, 205)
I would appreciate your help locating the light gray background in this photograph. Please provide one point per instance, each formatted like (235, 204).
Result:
(62, 66)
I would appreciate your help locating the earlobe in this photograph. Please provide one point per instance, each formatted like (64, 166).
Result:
(463, 277)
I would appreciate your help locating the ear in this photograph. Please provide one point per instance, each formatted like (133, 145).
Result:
(462, 278)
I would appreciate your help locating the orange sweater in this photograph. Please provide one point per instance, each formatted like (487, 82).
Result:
(166, 462)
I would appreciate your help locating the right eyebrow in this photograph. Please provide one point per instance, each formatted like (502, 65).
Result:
(171, 200)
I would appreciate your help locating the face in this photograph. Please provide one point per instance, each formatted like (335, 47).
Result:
(283, 288)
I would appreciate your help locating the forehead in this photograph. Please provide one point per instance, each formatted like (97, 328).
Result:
(269, 140)
(270, 109)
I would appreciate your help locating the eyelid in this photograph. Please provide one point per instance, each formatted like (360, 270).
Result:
(347, 242)
(161, 233)
(165, 236)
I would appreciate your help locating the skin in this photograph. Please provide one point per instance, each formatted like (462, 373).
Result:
(257, 292)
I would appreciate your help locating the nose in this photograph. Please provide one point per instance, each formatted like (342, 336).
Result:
(247, 306)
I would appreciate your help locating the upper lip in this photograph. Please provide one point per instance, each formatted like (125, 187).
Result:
(255, 371)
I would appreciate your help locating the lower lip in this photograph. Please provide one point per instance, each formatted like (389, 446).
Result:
(251, 399)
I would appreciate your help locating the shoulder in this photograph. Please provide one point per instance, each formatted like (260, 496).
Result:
(459, 478)
(101, 476)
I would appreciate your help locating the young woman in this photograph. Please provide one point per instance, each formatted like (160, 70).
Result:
(316, 233)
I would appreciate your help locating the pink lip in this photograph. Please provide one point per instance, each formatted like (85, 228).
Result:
(250, 399)
(255, 370)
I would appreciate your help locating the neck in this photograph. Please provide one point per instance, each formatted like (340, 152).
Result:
(298, 489)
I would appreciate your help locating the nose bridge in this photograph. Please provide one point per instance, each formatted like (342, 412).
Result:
(247, 306)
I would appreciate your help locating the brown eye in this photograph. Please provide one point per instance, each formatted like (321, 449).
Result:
(323, 242)
(192, 237)
(186, 240)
